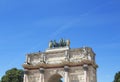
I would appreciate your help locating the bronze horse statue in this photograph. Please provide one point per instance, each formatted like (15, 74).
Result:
(62, 43)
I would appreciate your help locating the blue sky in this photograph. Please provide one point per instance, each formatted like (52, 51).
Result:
(28, 25)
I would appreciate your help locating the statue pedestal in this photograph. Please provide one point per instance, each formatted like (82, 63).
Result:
(57, 49)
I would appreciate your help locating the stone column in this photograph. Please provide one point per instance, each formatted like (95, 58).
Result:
(41, 75)
(66, 68)
(95, 75)
(85, 68)
(25, 76)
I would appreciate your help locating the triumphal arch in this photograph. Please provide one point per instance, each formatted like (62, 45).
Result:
(61, 61)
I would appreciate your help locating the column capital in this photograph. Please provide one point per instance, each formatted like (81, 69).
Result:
(85, 67)
(66, 68)
(42, 70)
(25, 71)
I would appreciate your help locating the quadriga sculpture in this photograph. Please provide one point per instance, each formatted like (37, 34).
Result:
(62, 43)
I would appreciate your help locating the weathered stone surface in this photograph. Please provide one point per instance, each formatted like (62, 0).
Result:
(74, 65)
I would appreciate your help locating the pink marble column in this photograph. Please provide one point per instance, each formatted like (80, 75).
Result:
(25, 76)
(41, 75)
(85, 68)
(66, 68)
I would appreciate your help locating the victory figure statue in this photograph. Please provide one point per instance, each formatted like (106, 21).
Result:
(62, 43)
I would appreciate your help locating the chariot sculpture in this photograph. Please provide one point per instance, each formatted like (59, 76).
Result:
(61, 43)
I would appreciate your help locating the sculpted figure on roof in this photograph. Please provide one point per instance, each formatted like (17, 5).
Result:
(61, 43)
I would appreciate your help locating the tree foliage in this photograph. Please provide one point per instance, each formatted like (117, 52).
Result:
(117, 77)
(13, 75)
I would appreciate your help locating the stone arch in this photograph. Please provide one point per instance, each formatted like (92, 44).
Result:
(73, 65)
(55, 78)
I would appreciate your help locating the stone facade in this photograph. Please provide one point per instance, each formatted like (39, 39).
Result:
(73, 65)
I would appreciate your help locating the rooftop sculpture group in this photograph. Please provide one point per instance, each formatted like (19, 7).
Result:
(62, 43)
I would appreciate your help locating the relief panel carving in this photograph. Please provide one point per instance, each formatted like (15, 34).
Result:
(54, 59)
(33, 76)
(35, 59)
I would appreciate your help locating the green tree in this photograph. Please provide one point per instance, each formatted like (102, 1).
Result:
(13, 75)
(117, 77)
